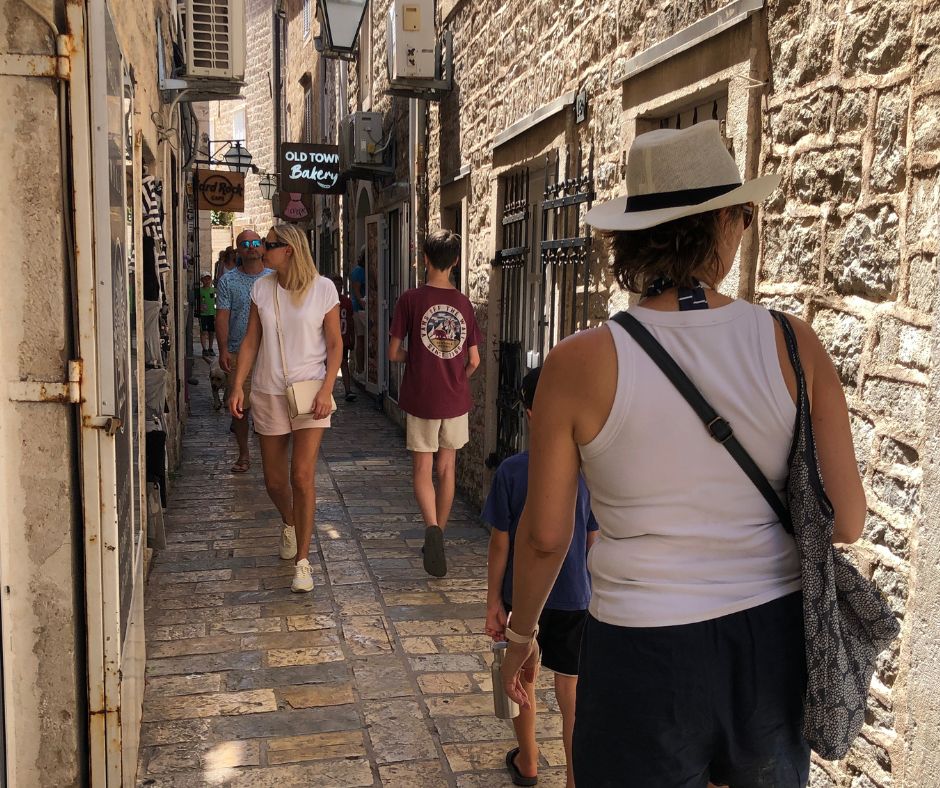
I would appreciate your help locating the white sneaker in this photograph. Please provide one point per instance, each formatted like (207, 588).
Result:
(303, 577)
(288, 542)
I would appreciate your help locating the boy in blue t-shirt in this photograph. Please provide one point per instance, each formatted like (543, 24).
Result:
(565, 610)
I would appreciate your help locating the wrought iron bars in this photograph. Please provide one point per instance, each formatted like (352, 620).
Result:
(511, 260)
(565, 253)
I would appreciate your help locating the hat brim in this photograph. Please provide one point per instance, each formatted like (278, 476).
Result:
(613, 215)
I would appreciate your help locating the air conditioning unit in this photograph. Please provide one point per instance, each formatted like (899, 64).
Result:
(360, 142)
(214, 37)
(411, 40)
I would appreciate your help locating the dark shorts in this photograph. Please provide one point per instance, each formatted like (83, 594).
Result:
(207, 323)
(560, 639)
(675, 707)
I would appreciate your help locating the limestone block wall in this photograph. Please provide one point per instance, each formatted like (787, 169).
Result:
(842, 98)
(259, 101)
(849, 243)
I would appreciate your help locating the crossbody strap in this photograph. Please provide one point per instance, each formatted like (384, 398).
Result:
(280, 340)
(717, 427)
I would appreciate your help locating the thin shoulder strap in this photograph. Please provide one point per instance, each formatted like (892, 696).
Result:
(717, 427)
(280, 340)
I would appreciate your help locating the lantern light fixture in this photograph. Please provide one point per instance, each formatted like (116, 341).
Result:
(268, 185)
(340, 21)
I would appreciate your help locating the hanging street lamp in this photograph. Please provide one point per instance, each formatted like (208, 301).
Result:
(238, 158)
(340, 21)
(268, 185)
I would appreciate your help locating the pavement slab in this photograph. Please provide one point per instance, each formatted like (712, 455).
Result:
(379, 677)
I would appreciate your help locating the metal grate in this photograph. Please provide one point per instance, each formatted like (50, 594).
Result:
(511, 260)
(565, 250)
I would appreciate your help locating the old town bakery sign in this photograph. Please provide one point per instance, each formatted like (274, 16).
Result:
(310, 169)
(220, 191)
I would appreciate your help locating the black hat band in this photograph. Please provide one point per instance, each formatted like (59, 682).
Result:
(681, 198)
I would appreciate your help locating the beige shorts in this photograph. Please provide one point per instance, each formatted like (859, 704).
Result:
(246, 388)
(429, 435)
(359, 321)
(271, 416)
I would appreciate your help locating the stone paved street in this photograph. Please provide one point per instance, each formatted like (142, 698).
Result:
(378, 677)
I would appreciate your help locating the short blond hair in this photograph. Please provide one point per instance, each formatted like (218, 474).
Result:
(303, 270)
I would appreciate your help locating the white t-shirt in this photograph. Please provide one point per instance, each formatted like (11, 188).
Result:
(302, 327)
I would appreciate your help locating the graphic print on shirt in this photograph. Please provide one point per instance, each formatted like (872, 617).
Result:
(444, 331)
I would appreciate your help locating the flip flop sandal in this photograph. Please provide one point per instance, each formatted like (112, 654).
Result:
(518, 778)
(241, 467)
(434, 561)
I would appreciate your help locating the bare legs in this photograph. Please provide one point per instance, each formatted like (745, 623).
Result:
(566, 688)
(435, 505)
(527, 761)
(240, 428)
(293, 490)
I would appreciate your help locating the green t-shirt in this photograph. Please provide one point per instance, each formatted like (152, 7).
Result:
(206, 301)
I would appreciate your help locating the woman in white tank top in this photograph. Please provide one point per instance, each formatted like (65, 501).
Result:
(692, 664)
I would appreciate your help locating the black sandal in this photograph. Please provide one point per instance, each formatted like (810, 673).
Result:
(518, 778)
(434, 561)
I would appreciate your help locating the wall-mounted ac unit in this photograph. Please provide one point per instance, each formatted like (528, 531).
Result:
(411, 40)
(360, 142)
(214, 37)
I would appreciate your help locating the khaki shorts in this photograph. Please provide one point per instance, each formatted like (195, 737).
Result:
(359, 321)
(246, 387)
(271, 417)
(429, 435)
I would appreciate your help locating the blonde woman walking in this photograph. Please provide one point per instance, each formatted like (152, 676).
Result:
(305, 307)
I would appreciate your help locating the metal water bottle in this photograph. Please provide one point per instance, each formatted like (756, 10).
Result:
(504, 706)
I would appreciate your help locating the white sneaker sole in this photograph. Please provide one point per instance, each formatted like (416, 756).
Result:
(298, 588)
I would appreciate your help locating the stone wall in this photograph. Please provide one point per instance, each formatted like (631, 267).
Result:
(842, 99)
(259, 101)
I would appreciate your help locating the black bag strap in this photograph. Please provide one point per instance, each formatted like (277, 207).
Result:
(717, 427)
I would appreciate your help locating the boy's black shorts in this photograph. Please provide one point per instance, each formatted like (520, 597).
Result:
(560, 639)
(207, 323)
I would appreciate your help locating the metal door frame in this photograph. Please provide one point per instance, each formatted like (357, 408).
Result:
(376, 306)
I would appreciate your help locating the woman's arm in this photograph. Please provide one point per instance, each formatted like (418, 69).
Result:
(323, 403)
(247, 353)
(833, 434)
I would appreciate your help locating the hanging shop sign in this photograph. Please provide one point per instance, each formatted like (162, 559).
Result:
(220, 191)
(294, 206)
(310, 169)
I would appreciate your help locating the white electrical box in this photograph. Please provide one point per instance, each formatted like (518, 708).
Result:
(361, 142)
(214, 37)
(412, 39)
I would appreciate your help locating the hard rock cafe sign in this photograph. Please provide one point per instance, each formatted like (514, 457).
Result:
(217, 190)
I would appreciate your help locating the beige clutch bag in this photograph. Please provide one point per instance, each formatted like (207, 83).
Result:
(300, 395)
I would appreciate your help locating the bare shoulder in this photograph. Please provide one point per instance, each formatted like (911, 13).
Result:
(581, 378)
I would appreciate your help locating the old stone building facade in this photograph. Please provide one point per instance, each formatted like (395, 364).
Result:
(841, 98)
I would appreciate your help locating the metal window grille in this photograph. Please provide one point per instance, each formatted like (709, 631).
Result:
(511, 260)
(307, 18)
(565, 249)
(308, 113)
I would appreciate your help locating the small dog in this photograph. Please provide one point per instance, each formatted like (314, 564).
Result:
(218, 379)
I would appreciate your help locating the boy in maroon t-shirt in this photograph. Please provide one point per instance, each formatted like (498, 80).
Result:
(443, 338)
(348, 333)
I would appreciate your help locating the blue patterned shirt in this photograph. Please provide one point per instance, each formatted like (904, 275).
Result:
(234, 294)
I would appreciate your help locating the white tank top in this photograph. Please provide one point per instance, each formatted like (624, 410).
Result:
(684, 534)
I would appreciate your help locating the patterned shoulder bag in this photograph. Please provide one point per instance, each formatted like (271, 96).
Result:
(846, 620)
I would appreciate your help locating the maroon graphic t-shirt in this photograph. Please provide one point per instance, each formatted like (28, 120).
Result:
(440, 327)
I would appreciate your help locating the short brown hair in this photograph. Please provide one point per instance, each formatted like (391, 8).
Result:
(442, 248)
(675, 249)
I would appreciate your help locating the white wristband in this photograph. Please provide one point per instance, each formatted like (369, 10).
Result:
(515, 637)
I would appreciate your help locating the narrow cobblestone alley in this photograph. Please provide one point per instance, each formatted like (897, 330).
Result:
(378, 677)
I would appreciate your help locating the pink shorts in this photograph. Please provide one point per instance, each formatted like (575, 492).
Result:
(271, 417)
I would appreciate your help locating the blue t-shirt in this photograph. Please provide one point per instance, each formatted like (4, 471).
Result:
(234, 293)
(502, 510)
(358, 274)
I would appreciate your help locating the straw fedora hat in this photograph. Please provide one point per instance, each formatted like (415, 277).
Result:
(673, 173)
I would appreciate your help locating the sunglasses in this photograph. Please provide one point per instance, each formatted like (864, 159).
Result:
(255, 244)
(747, 209)
(269, 245)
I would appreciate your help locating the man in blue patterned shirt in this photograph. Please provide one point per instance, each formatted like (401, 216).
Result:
(233, 303)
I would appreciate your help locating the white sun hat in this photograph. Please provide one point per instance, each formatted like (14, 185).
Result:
(673, 173)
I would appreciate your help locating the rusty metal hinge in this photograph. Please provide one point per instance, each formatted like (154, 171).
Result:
(57, 66)
(111, 425)
(69, 392)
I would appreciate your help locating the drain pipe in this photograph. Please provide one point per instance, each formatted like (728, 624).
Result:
(418, 168)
